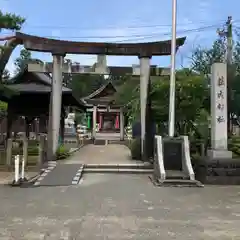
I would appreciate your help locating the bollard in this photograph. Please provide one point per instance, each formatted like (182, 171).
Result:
(16, 181)
(23, 178)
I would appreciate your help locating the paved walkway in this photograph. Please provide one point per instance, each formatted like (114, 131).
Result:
(61, 175)
(101, 154)
(70, 171)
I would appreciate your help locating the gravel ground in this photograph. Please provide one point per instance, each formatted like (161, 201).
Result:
(119, 207)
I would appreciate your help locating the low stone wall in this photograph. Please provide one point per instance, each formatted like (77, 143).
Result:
(219, 172)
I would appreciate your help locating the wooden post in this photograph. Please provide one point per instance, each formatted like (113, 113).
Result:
(25, 149)
(9, 152)
(41, 155)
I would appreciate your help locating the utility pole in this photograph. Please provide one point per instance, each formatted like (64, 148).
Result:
(229, 41)
(171, 120)
(227, 33)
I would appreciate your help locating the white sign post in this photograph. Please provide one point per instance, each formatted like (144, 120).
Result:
(219, 113)
(16, 181)
(23, 178)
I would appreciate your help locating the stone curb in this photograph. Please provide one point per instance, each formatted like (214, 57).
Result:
(75, 150)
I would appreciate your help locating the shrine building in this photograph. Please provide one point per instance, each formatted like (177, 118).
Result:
(103, 115)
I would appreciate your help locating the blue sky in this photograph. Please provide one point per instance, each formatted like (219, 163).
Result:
(124, 21)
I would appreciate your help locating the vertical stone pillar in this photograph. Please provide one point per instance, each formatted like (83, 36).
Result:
(144, 79)
(219, 134)
(62, 128)
(49, 129)
(10, 118)
(101, 66)
(27, 127)
(9, 152)
(25, 149)
(42, 142)
(56, 101)
(94, 122)
(121, 125)
(100, 121)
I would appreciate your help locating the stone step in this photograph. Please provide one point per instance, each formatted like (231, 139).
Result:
(174, 174)
(179, 183)
(100, 142)
(118, 142)
(176, 183)
(119, 166)
(118, 170)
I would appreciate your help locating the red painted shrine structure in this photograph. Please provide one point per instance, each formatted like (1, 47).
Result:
(102, 111)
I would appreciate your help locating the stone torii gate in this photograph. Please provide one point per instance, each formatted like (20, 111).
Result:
(60, 48)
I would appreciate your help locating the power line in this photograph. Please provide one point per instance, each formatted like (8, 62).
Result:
(121, 27)
(140, 35)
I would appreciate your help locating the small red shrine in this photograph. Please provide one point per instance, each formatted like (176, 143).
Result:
(103, 114)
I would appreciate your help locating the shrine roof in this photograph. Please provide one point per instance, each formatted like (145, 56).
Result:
(102, 95)
(97, 92)
(34, 88)
(36, 43)
(33, 82)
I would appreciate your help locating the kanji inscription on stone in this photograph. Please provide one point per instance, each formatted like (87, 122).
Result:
(220, 94)
(220, 119)
(221, 81)
(220, 106)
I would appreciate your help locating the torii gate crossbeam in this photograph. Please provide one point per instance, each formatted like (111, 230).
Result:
(60, 48)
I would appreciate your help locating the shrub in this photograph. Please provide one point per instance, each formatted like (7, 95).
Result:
(62, 152)
(234, 145)
(32, 151)
(136, 149)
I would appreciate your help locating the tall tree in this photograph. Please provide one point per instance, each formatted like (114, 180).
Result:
(12, 22)
(22, 61)
(203, 58)
(192, 95)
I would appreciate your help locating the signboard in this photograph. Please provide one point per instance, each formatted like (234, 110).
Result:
(172, 154)
(219, 106)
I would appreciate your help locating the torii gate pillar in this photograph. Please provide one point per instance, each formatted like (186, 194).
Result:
(144, 80)
(55, 108)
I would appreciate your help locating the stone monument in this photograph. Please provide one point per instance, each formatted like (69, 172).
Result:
(219, 132)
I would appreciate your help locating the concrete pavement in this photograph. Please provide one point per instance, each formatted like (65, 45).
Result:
(101, 154)
(8, 177)
(119, 207)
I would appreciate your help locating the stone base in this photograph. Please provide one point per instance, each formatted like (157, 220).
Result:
(219, 154)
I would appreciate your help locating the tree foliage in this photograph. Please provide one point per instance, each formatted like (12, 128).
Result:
(84, 84)
(11, 21)
(22, 61)
(5, 76)
(192, 95)
(203, 58)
